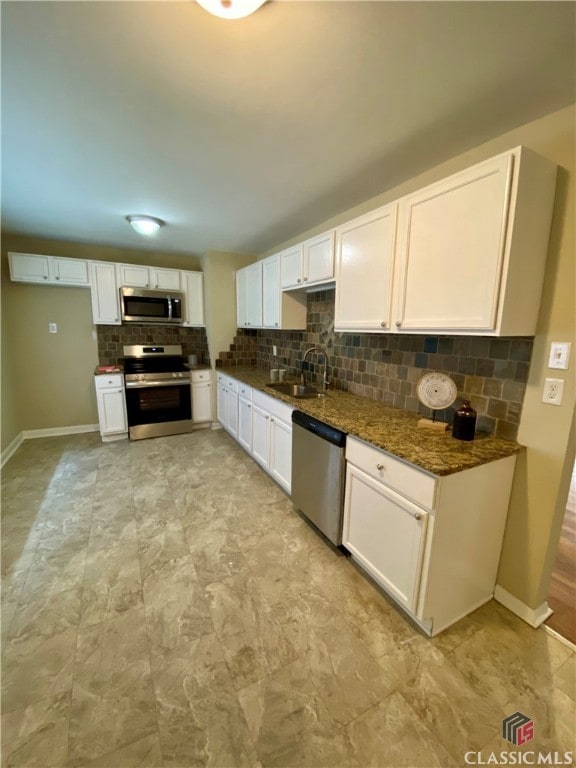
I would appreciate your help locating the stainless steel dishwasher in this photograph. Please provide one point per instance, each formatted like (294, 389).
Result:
(318, 472)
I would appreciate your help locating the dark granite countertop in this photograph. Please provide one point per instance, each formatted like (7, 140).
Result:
(391, 429)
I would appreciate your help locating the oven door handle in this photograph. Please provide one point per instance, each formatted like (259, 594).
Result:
(148, 384)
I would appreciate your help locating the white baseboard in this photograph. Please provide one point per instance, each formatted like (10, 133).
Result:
(216, 425)
(31, 434)
(533, 616)
(11, 449)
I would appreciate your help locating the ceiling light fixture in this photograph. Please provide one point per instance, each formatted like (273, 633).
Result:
(145, 225)
(231, 9)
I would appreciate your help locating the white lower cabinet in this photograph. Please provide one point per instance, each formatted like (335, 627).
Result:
(261, 424)
(201, 396)
(386, 534)
(280, 466)
(261, 435)
(227, 403)
(245, 417)
(111, 403)
(433, 543)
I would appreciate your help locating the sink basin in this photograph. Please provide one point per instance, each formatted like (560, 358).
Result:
(294, 390)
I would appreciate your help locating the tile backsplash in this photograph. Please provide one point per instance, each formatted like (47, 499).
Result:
(111, 339)
(491, 372)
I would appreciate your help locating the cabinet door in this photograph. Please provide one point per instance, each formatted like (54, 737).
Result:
(254, 295)
(451, 247)
(165, 279)
(133, 276)
(260, 435)
(245, 424)
(29, 268)
(281, 452)
(104, 293)
(232, 413)
(291, 267)
(202, 401)
(271, 292)
(221, 404)
(241, 305)
(111, 411)
(386, 534)
(69, 271)
(364, 271)
(319, 258)
(193, 285)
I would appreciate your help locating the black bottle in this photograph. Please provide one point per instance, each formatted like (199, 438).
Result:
(464, 422)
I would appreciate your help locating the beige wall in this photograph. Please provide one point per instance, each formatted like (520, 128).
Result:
(542, 476)
(47, 379)
(220, 297)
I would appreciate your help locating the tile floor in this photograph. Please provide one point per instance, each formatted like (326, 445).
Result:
(164, 605)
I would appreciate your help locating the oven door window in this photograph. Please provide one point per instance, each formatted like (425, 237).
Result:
(154, 405)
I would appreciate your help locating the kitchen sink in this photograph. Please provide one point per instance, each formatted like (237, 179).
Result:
(295, 390)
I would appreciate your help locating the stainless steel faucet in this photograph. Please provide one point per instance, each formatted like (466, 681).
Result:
(319, 350)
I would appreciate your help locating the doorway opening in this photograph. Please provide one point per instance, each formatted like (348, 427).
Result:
(562, 592)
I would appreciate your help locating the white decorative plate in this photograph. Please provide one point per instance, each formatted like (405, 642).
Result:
(436, 390)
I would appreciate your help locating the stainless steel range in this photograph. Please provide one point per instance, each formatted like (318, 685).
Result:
(158, 395)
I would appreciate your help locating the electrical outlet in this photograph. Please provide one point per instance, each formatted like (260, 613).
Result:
(559, 355)
(553, 391)
(274, 349)
(52, 328)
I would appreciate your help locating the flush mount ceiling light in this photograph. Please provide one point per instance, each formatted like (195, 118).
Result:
(231, 9)
(145, 225)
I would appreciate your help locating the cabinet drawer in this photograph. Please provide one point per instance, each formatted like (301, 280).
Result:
(409, 481)
(274, 407)
(109, 381)
(245, 391)
(197, 376)
(227, 381)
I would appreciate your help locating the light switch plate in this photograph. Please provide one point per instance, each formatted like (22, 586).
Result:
(52, 328)
(559, 355)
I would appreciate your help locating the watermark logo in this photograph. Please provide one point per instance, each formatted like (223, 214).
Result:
(518, 729)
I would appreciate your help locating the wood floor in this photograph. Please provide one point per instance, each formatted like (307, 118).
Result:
(562, 595)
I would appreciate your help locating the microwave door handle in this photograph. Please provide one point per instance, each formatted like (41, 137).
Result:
(169, 308)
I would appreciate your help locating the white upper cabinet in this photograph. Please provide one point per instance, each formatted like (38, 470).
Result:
(364, 271)
(193, 287)
(29, 268)
(135, 276)
(104, 292)
(48, 270)
(165, 279)
(472, 249)
(271, 292)
(249, 296)
(308, 263)
(291, 267)
(318, 258)
(70, 271)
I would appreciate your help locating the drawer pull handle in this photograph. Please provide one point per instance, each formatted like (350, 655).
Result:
(267, 417)
(398, 323)
(379, 467)
(418, 516)
(298, 280)
(384, 324)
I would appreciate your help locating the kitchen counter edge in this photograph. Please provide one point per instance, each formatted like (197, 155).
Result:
(391, 429)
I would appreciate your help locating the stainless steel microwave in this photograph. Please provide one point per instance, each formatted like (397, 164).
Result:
(139, 305)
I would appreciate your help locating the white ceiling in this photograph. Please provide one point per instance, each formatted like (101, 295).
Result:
(242, 134)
